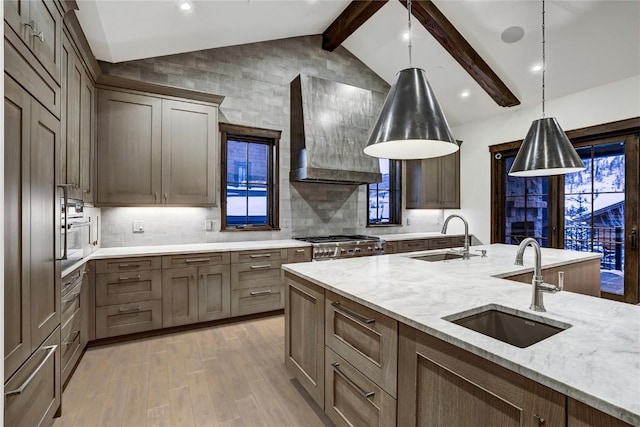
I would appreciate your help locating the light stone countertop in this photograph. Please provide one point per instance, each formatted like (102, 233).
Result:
(137, 251)
(595, 361)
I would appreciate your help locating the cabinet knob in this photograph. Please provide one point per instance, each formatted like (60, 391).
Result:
(541, 420)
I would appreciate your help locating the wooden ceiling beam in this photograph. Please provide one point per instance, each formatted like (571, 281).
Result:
(355, 14)
(450, 38)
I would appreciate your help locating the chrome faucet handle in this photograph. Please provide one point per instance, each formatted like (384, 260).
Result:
(548, 287)
(483, 251)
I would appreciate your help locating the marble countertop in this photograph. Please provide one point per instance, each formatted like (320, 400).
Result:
(136, 251)
(595, 361)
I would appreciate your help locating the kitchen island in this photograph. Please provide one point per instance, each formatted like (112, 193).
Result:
(595, 363)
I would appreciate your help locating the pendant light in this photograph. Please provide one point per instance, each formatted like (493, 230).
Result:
(411, 124)
(546, 150)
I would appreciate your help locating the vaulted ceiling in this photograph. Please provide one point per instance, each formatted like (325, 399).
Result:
(589, 42)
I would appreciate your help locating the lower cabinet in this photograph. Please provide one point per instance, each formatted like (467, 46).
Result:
(75, 315)
(122, 319)
(581, 415)
(304, 335)
(32, 394)
(431, 243)
(352, 399)
(442, 385)
(580, 277)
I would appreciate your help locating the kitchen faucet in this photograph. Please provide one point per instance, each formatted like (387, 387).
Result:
(537, 285)
(465, 251)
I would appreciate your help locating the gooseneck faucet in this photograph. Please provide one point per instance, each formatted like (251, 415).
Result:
(465, 251)
(537, 285)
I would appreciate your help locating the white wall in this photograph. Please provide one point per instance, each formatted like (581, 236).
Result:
(615, 101)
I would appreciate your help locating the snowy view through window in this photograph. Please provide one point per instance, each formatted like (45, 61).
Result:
(247, 170)
(593, 210)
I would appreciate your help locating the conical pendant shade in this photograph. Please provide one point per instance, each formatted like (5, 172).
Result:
(546, 150)
(411, 124)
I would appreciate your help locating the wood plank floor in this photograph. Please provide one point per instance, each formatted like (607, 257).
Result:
(227, 375)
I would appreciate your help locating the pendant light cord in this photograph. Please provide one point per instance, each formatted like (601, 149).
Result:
(409, 25)
(543, 58)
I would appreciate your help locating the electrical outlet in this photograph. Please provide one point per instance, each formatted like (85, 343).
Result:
(208, 225)
(408, 221)
(138, 227)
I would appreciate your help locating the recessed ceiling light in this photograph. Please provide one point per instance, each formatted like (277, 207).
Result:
(536, 68)
(405, 35)
(185, 6)
(464, 93)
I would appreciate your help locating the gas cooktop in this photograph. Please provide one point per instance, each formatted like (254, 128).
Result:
(344, 246)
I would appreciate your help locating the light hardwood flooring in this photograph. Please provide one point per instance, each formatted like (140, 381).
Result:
(227, 375)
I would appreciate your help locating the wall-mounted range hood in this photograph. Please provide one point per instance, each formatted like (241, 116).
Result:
(330, 125)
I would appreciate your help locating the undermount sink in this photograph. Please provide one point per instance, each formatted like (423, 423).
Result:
(496, 322)
(441, 256)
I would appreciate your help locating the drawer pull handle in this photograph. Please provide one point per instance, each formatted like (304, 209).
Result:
(50, 351)
(127, 310)
(299, 251)
(192, 260)
(129, 278)
(365, 394)
(259, 267)
(128, 265)
(261, 256)
(258, 293)
(72, 297)
(72, 338)
(352, 313)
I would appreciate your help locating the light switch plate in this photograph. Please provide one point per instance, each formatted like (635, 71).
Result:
(138, 227)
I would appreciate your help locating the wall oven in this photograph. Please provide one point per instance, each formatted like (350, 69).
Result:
(75, 231)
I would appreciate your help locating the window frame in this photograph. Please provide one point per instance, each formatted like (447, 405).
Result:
(395, 190)
(269, 137)
(629, 129)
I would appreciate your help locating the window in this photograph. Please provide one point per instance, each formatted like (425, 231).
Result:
(595, 210)
(249, 178)
(383, 203)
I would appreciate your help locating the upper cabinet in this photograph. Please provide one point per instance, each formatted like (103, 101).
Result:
(434, 183)
(154, 150)
(39, 24)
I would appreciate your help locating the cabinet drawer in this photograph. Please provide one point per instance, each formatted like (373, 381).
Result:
(298, 254)
(389, 248)
(125, 319)
(182, 261)
(70, 347)
(32, 394)
(351, 399)
(258, 255)
(411, 245)
(446, 242)
(71, 304)
(72, 279)
(257, 273)
(257, 300)
(365, 338)
(127, 264)
(121, 288)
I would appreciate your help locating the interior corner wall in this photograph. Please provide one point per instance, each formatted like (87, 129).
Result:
(603, 104)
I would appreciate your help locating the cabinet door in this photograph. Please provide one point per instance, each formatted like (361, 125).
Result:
(449, 179)
(129, 148)
(43, 275)
(87, 125)
(304, 335)
(214, 292)
(189, 136)
(581, 415)
(17, 134)
(16, 14)
(442, 385)
(72, 88)
(47, 20)
(179, 296)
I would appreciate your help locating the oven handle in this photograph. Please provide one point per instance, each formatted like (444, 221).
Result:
(78, 224)
(65, 197)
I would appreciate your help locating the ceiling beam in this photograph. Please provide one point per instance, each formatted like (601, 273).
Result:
(448, 36)
(355, 14)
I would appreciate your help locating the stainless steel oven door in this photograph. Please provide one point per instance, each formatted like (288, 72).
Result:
(75, 233)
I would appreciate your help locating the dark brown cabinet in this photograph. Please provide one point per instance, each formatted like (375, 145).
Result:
(38, 23)
(155, 151)
(434, 183)
(442, 385)
(31, 275)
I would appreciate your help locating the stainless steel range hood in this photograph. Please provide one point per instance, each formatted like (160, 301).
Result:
(330, 125)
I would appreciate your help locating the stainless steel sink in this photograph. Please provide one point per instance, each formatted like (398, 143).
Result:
(496, 322)
(441, 256)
